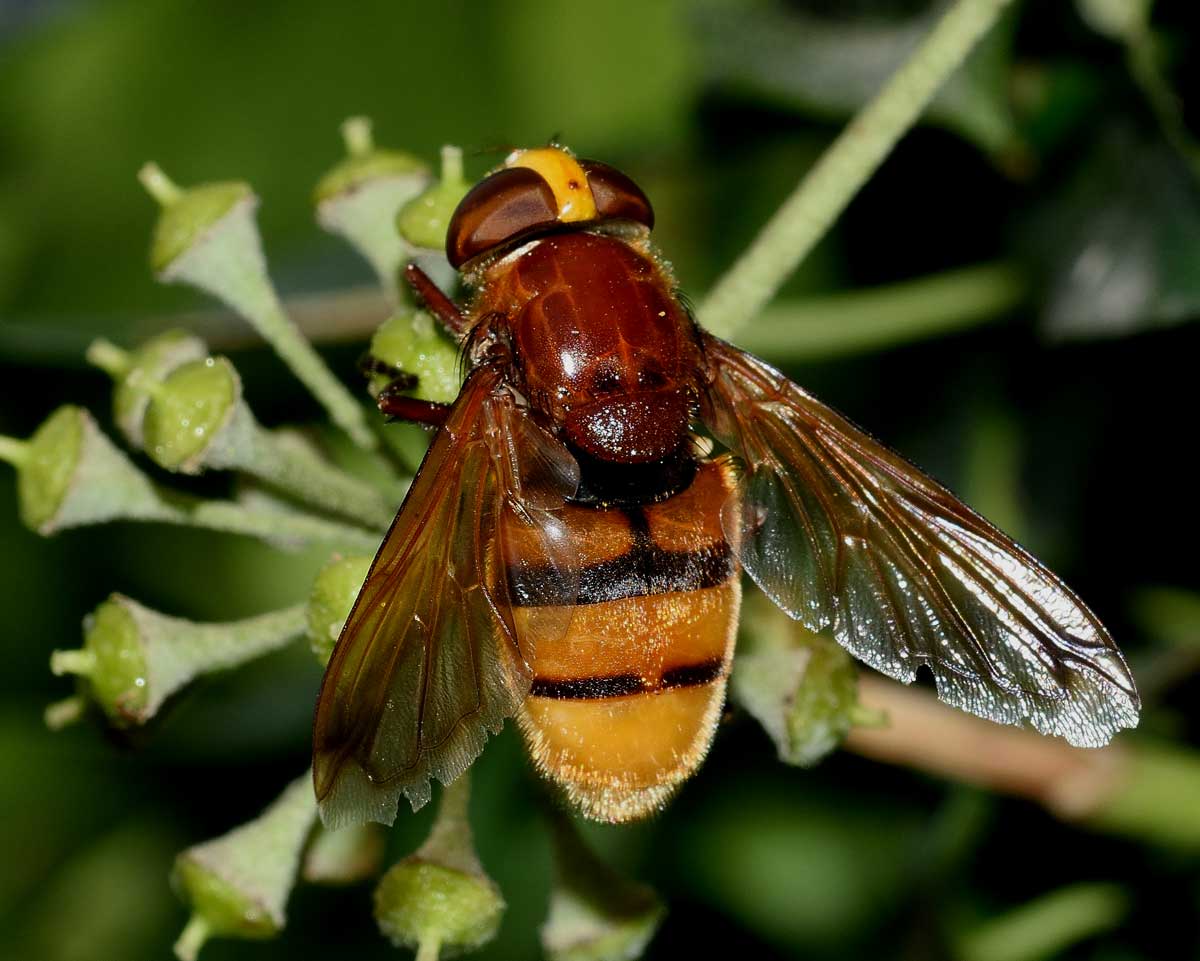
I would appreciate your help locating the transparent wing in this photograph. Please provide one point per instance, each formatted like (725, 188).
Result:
(429, 660)
(842, 533)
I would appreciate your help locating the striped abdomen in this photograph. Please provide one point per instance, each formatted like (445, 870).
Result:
(624, 706)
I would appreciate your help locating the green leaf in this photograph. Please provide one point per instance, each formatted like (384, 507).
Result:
(1117, 250)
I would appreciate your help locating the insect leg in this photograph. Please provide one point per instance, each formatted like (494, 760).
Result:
(393, 403)
(442, 306)
(369, 365)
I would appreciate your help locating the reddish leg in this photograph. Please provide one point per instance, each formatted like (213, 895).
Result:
(427, 412)
(442, 306)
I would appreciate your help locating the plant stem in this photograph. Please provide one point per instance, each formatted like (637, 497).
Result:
(227, 261)
(13, 451)
(62, 713)
(158, 185)
(269, 318)
(75, 661)
(108, 357)
(356, 134)
(452, 162)
(1048, 925)
(278, 526)
(313, 480)
(816, 328)
(1134, 787)
(827, 188)
(194, 934)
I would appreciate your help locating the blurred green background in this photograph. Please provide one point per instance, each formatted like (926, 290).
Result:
(1051, 382)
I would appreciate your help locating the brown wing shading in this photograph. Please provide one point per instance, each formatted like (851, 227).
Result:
(429, 660)
(842, 533)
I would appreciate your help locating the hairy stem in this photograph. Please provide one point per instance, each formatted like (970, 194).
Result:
(827, 188)
(274, 526)
(1134, 787)
(816, 328)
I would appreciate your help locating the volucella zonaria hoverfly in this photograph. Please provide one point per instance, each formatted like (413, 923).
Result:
(568, 556)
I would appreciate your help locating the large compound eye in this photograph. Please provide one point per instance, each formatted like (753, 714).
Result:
(617, 197)
(497, 209)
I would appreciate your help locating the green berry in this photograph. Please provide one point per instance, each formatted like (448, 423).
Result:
(333, 594)
(420, 902)
(134, 658)
(424, 219)
(188, 409)
(119, 675)
(227, 912)
(238, 884)
(137, 372)
(53, 456)
(188, 215)
(439, 898)
(410, 342)
(364, 163)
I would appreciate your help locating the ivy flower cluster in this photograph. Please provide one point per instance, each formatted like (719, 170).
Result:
(179, 409)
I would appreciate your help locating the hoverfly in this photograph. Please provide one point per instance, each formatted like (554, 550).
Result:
(568, 555)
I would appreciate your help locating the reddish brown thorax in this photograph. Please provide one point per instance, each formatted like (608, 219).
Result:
(602, 347)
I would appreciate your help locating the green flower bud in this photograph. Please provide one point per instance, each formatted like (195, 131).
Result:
(237, 885)
(440, 899)
(345, 855)
(53, 456)
(197, 419)
(365, 163)
(133, 371)
(359, 198)
(134, 658)
(189, 411)
(595, 913)
(412, 343)
(207, 237)
(802, 687)
(333, 594)
(69, 474)
(424, 219)
(188, 215)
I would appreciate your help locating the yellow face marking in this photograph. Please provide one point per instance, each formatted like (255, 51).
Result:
(566, 179)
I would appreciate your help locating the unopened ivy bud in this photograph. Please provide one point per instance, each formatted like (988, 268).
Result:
(344, 855)
(134, 658)
(237, 885)
(801, 686)
(190, 215)
(439, 899)
(423, 221)
(207, 237)
(70, 474)
(136, 370)
(359, 198)
(333, 594)
(197, 419)
(595, 913)
(410, 342)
